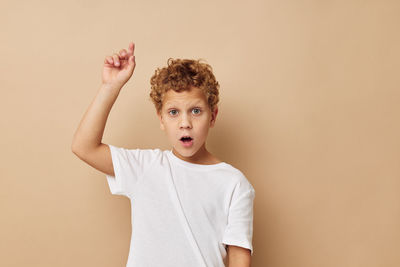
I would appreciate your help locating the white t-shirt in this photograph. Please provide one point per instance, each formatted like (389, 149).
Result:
(182, 214)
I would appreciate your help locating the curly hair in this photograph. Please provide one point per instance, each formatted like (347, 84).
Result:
(180, 75)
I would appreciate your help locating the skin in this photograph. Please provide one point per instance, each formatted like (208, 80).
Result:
(118, 68)
(188, 113)
(238, 256)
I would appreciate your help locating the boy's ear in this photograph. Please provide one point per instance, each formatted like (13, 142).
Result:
(161, 121)
(213, 116)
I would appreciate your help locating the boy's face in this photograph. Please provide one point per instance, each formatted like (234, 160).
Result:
(187, 114)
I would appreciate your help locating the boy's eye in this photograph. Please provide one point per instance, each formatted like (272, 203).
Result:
(173, 112)
(196, 111)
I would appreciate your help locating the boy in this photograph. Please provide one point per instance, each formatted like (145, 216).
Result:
(189, 208)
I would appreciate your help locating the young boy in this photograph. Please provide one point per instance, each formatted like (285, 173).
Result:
(189, 208)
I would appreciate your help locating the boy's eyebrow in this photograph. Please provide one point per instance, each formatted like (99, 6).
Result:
(172, 103)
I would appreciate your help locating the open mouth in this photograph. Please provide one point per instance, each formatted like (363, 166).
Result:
(186, 139)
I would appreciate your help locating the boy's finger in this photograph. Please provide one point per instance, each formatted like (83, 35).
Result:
(108, 60)
(123, 53)
(116, 59)
(131, 47)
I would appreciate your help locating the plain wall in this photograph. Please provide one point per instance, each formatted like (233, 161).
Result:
(309, 112)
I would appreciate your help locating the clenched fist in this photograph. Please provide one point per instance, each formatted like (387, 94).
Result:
(118, 68)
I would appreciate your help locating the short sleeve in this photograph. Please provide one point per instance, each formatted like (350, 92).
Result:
(129, 167)
(239, 231)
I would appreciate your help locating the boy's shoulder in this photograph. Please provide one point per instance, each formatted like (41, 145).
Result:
(242, 180)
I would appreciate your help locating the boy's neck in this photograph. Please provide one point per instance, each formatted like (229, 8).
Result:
(201, 157)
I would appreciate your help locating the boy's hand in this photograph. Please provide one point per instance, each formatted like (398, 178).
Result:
(118, 68)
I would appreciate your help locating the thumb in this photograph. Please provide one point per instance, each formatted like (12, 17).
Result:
(131, 61)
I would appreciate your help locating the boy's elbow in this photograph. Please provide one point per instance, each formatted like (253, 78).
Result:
(74, 148)
(77, 148)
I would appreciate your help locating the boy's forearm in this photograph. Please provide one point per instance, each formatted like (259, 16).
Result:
(91, 128)
(238, 256)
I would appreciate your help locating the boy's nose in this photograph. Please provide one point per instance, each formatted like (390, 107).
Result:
(185, 122)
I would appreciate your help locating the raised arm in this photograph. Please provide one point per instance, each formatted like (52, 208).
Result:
(86, 143)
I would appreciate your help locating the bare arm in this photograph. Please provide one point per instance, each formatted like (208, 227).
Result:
(86, 143)
(238, 256)
(90, 131)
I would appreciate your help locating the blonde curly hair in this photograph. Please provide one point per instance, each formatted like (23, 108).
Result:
(180, 75)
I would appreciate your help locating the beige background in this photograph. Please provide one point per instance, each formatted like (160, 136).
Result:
(309, 112)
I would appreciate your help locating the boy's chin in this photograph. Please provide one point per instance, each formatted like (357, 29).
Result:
(186, 152)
